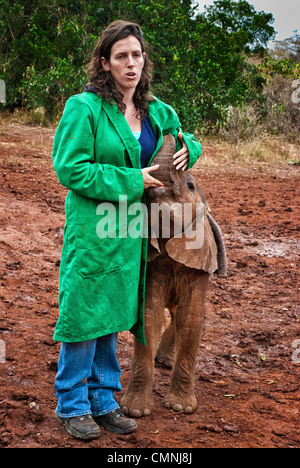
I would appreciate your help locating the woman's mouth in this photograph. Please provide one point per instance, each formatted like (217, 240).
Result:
(131, 75)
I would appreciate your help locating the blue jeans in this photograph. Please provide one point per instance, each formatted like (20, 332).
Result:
(88, 375)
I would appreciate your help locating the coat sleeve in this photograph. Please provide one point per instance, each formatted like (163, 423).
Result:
(173, 126)
(194, 147)
(74, 160)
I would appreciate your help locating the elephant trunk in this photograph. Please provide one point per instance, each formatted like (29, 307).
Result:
(164, 158)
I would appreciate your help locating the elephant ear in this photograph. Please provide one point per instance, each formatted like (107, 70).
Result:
(207, 253)
(153, 249)
(200, 251)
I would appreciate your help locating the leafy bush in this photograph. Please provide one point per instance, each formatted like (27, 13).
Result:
(51, 89)
(283, 67)
(280, 114)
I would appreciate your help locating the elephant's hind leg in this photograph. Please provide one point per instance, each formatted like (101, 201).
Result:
(189, 319)
(166, 350)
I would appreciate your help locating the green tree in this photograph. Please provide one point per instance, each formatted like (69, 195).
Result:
(44, 46)
(249, 29)
(199, 58)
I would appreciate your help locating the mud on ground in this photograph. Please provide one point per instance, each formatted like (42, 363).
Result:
(247, 382)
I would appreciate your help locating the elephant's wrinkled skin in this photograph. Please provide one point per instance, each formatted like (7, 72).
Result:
(177, 279)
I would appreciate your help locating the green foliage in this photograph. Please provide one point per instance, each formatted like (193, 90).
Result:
(52, 88)
(284, 67)
(44, 46)
(199, 58)
(250, 30)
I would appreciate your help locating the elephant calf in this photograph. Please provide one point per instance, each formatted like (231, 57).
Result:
(177, 279)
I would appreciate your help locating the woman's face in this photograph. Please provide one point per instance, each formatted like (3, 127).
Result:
(126, 63)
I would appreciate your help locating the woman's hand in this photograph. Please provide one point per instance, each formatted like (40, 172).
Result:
(149, 181)
(181, 158)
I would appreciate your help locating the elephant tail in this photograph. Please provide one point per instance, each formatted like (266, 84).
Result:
(222, 256)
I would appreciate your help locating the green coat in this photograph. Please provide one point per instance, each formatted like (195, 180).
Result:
(96, 156)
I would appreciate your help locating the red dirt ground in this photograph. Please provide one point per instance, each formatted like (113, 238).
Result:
(247, 383)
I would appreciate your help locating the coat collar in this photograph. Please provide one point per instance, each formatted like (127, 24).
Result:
(131, 144)
(156, 128)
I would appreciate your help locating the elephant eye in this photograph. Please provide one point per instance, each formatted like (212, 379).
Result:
(190, 185)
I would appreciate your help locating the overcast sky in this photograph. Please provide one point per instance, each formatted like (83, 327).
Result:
(285, 12)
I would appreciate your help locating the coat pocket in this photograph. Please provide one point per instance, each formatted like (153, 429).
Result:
(96, 255)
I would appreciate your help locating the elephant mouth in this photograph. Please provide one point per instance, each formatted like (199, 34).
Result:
(156, 193)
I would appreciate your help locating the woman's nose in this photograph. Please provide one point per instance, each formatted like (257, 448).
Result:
(130, 61)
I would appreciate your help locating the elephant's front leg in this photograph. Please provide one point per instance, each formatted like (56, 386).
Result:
(189, 320)
(138, 399)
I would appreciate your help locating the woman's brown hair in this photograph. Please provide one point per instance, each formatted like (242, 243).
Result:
(102, 83)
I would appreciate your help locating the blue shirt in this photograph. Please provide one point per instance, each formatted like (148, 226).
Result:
(147, 141)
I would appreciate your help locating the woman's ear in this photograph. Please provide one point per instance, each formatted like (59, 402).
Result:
(105, 64)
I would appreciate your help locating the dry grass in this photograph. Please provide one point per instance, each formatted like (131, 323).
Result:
(217, 150)
(33, 118)
(271, 150)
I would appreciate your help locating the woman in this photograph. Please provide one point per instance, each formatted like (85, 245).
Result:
(103, 147)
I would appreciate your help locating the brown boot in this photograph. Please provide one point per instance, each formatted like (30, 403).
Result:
(115, 421)
(81, 427)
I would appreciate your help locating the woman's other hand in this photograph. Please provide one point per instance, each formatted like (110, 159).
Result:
(181, 158)
(149, 181)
